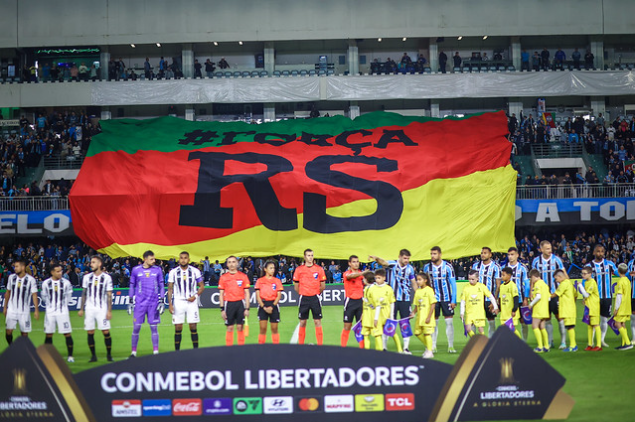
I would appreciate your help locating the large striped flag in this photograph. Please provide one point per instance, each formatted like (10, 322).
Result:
(376, 184)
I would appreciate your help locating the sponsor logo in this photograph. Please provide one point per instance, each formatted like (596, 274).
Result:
(400, 401)
(126, 408)
(157, 407)
(247, 406)
(308, 404)
(339, 404)
(217, 406)
(277, 405)
(369, 402)
(187, 407)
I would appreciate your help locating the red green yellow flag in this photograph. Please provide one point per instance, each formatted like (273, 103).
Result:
(373, 185)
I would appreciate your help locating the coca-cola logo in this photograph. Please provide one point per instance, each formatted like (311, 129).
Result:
(187, 407)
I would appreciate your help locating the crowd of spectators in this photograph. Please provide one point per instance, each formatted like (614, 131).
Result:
(64, 135)
(575, 249)
(543, 61)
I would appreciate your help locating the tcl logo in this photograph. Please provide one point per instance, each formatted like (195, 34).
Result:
(187, 407)
(400, 401)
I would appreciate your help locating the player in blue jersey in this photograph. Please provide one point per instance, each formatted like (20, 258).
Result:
(443, 281)
(401, 277)
(547, 264)
(147, 290)
(519, 276)
(489, 274)
(631, 276)
(603, 273)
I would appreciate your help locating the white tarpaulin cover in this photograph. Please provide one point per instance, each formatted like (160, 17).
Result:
(197, 91)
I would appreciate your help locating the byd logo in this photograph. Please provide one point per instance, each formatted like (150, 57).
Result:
(400, 401)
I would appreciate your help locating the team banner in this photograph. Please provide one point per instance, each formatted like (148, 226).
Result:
(574, 211)
(36, 223)
(376, 184)
(499, 379)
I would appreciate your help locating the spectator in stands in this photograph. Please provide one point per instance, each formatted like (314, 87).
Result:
(120, 69)
(524, 60)
(112, 73)
(443, 60)
(209, 68)
(147, 69)
(457, 60)
(405, 60)
(93, 73)
(74, 73)
(484, 58)
(535, 61)
(83, 72)
(55, 72)
(588, 60)
(197, 69)
(46, 72)
(222, 64)
(544, 58)
(162, 65)
(421, 62)
(391, 66)
(576, 56)
(168, 73)
(559, 59)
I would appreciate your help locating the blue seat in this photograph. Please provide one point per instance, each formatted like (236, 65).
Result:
(255, 74)
(330, 72)
(511, 68)
(322, 73)
(218, 74)
(456, 70)
(312, 72)
(294, 73)
(304, 72)
(276, 73)
(237, 74)
(228, 74)
(285, 73)
(427, 70)
(264, 73)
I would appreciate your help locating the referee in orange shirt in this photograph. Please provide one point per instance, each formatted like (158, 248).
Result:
(309, 282)
(234, 300)
(353, 305)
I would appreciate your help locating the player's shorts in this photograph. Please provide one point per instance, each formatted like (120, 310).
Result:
(366, 331)
(488, 314)
(309, 303)
(443, 308)
(605, 307)
(402, 307)
(62, 321)
(594, 320)
(568, 322)
(553, 306)
(274, 316)
(475, 322)
(622, 318)
(183, 309)
(424, 329)
(23, 319)
(235, 313)
(142, 310)
(96, 315)
(353, 309)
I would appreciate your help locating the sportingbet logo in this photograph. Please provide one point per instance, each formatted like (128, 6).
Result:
(339, 404)
(126, 408)
(187, 407)
(400, 401)
(277, 405)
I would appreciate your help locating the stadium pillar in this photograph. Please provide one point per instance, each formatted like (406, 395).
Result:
(434, 55)
(104, 58)
(516, 51)
(353, 58)
(353, 110)
(598, 105)
(269, 112)
(189, 112)
(515, 106)
(187, 59)
(106, 114)
(596, 45)
(434, 108)
(270, 57)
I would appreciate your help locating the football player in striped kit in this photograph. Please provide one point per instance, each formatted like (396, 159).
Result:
(56, 294)
(547, 263)
(603, 273)
(443, 281)
(21, 288)
(97, 305)
(521, 279)
(185, 285)
(489, 274)
(631, 276)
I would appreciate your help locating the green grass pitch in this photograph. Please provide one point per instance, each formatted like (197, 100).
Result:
(602, 383)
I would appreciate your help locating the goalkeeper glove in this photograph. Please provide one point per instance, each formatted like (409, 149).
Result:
(131, 305)
(161, 308)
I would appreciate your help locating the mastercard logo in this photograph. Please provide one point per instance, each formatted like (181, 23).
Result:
(308, 404)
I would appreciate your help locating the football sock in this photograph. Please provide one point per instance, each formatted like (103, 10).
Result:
(598, 336)
(154, 330)
(428, 342)
(275, 338)
(449, 332)
(549, 328)
(379, 343)
(545, 339)
(135, 336)
(344, 338)
(229, 338)
(301, 335)
(361, 344)
(406, 342)
(423, 338)
(604, 324)
(563, 331)
(9, 338)
(262, 338)
(572, 342)
(108, 343)
(367, 342)
(194, 336)
(48, 340)
(69, 345)
(177, 339)
(624, 334)
(518, 334)
(538, 334)
(384, 341)
(525, 330)
(91, 343)
(492, 328)
(434, 336)
(241, 338)
(590, 335)
(470, 333)
(398, 343)
(319, 335)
